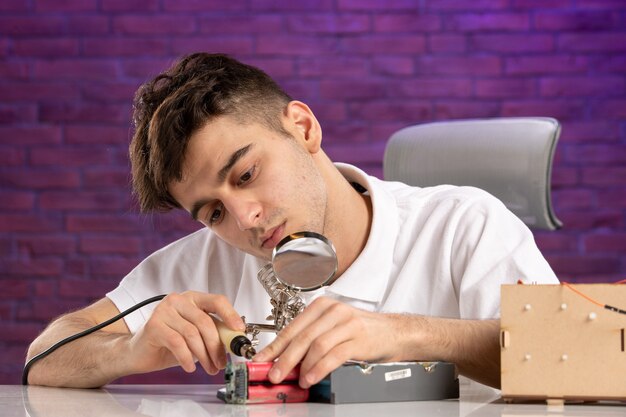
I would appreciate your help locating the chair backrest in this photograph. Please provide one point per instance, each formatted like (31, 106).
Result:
(510, 158)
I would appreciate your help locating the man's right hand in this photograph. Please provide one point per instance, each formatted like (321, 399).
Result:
(180, 331)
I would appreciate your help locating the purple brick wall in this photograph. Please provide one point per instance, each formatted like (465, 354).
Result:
(68, 69)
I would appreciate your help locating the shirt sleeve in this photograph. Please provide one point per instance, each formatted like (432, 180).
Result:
(490, 247)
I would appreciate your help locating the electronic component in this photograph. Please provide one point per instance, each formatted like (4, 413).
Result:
(248, 383)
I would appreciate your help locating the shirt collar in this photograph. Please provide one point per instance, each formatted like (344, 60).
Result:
(366, 279)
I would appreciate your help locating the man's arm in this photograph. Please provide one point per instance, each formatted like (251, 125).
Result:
(328, 333)
(179, 332)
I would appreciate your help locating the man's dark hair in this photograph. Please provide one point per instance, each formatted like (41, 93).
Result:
(183, 99)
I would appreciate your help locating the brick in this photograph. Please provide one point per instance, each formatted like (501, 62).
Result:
(367, 153)
(476, 5)
(579, 20)
(393, 65)
(86, 112)
(31, 25)
(465, 109)
(561, 110)
(224, 44)
(88, 24)
(15, 6)
(45, 311)
(358, 132)
(564, 176)
(299, 45)
(45, 288)
(592, 130)
(329, 111)
(69, 157)
(17, 113)
(92, 201)
(40, 178)
(328, 23)
(36, 135)
(204, 5)
(431, 87)
(585, 220)
(352, 89)
(113, 266)
(589, 155)
(109, 92)
(381, 132)
(66, 6)
(107, 177)
(610, 175)
(29, 223)
(605, 243)
(604, 4)
(578, 265)
(501, 22)
(406, 22)
(556, 242)
(41, 245)
(333, 66)
(76, 69)
(121, 47)
(446, 43)
(14, 289)
(592, 42)
(144, 68)
(102, 223)
(301, 89)
(33, 267)
(376, 5)
(384, 44)
(237, 24)
(462, 66)
(10, 157)
(582, 86)
(610, 63)
(110, 245)
(19, 332)
(46, 47)
(14, 70)
(610, 109)
(505, 88)
(386, 111)
(274, 67)
(177, 222)
(133, 24)
(130, 5)
(548, 64)
(613, 197)
(96, 135)
(574, 199)
(313, 5)
(39, 91)
(512, 43)
(16, 200)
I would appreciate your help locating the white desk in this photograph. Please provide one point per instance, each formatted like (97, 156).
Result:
(200, 401)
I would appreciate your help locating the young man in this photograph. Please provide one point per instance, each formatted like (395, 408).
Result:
(419, 269)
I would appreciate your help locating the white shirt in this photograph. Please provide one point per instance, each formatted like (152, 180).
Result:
(440, 251)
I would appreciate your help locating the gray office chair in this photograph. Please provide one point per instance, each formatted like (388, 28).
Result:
(510, 158)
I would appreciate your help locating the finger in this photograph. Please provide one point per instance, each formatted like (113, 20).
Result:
(331, 361)
(307, 318)
(195, 343)
(325, 343)
(209, 333)
(176, 344)
(221, 306)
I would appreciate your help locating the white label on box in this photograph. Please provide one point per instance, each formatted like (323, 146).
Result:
(399, 374)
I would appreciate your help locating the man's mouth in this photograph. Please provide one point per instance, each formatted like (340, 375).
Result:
(271, 239)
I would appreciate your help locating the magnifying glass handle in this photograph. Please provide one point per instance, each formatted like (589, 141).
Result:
(236, 342)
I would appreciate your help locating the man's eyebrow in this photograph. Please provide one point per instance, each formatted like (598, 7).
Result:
(221, 175)
(236, 156)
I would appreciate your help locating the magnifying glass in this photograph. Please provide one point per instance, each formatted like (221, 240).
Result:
(304, 261)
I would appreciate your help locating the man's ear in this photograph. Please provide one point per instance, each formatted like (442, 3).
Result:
(303, 121)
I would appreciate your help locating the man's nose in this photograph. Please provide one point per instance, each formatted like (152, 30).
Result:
(246, 213)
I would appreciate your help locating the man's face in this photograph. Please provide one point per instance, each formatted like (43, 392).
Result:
(250, 185)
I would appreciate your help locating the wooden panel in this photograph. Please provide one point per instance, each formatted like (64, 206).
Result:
(557, 344)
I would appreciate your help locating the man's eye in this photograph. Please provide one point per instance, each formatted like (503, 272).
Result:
(247, 176)
(216, 215)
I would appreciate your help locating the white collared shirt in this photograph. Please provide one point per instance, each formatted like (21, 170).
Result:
(440, 251)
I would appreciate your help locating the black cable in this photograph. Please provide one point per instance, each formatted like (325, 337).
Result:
(78, 335)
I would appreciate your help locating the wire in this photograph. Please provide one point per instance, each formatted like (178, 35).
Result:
(78, 335)
(608, 307)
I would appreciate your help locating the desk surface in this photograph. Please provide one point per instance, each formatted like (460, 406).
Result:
(200, 401)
